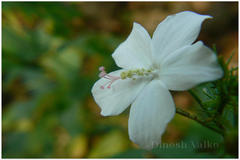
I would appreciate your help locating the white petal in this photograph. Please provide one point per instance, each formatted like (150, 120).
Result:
(175, 32)
(135, 52)
(190, 66)
(150, 114)
(116, 99)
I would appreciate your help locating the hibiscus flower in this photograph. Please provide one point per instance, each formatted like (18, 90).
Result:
(150, 68)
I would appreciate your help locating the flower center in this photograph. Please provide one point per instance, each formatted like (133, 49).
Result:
(132, 74)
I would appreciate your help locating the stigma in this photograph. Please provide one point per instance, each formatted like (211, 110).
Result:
(112, 79)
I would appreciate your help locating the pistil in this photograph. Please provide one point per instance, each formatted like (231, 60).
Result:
(133, 74)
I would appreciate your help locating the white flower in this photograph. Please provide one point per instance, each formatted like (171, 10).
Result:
(150, 68)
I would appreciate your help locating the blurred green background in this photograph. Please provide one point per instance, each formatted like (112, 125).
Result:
(50, 58)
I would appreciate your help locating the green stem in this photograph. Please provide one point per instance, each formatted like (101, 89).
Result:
(195, 118)
(196, 98)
